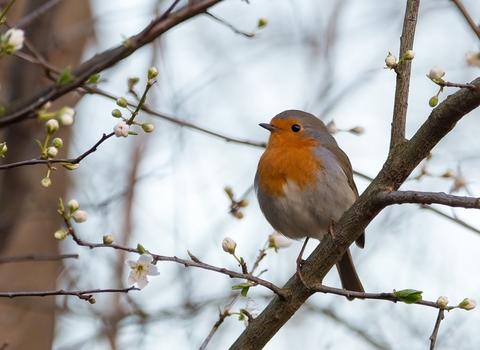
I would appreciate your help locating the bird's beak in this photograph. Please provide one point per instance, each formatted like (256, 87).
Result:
(269, 127)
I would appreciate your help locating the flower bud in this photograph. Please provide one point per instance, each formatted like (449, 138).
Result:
(12, 40)
(229, 245)
(60, 235)
(122, 102)
(46, 182)
(131, 83)
(3, 148)
(147, 127)
(51, 126)
(243, 203)
(468, 304)
(433, 101)
(409, 55)
(152, 73)
(80, 216)
(332, 127)
(51, 152)
(116, 113)
(66, 116)
(70, 166)
(390, 60)
(436, 73)
(277, 240)
(262, 22)
(358, 130)
(121, 129)
(473, 59)
(238, 214)
(73, 205)
(57, 143)
(442, 302)
(108, 239)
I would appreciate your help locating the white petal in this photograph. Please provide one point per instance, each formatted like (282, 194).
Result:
(145, 258)
(131, 263)
(142, 281)
(153, 270)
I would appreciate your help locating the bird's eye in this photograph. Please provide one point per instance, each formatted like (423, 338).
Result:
(296, 128)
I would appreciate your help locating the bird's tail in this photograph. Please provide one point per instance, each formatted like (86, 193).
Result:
(348, 274)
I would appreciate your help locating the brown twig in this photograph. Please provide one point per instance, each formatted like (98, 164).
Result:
(402, 197)
(221, 319)
(54, 161)
(237, 31)
(468, 18)
(34, 257)
(458, 85)
(25, 108)
(403, 75)
(83, 294)
(433, 337)
(187, 263)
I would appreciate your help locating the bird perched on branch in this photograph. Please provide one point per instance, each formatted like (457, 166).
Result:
(304, 184)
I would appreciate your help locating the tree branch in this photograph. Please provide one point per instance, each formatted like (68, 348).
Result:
(25, 108)
(402, 197)
(399, 165)
(403, 75)
(468, 18)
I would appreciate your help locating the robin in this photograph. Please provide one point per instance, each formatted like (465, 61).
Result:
(304, 184)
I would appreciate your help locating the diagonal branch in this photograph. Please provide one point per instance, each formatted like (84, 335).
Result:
(402, 197)
(25, 108)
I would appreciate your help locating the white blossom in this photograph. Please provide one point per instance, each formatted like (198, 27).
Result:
(66, 116)
(13, 39)
(79, 216)
(436, 73)
(121, 129)
(277, 240)
(140, 269)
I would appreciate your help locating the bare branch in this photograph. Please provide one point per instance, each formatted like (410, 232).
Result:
(403, 75)
(82, 294)
(53, 161)
(468, 18)
(402, 197)
(30, 257)
(187, 263)
(25, 108)
(433, 337)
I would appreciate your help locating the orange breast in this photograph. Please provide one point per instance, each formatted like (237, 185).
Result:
(287, 158)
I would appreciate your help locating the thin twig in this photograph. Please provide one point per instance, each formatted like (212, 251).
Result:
(32, 16)
(468, 18)
(402, 197)
(187, 263)
(317, 287)
(433, 337)
(237, 31)
(82, 294)
(56, 161)
(221, 319)
(458, 85)
(34, 257)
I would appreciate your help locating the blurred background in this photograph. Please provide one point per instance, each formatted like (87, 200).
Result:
(165, 190)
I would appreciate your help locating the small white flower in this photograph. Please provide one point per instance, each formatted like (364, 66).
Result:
(277, 240)
(121, 129)
(468, 304)
(229, 245)
(80, 216)
(66, 116)
(13, 39)
(442, 302)
(436, 73)
(140, 269)
(252, 309)
(60, 235)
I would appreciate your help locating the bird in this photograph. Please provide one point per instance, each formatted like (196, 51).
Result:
(304, 183)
